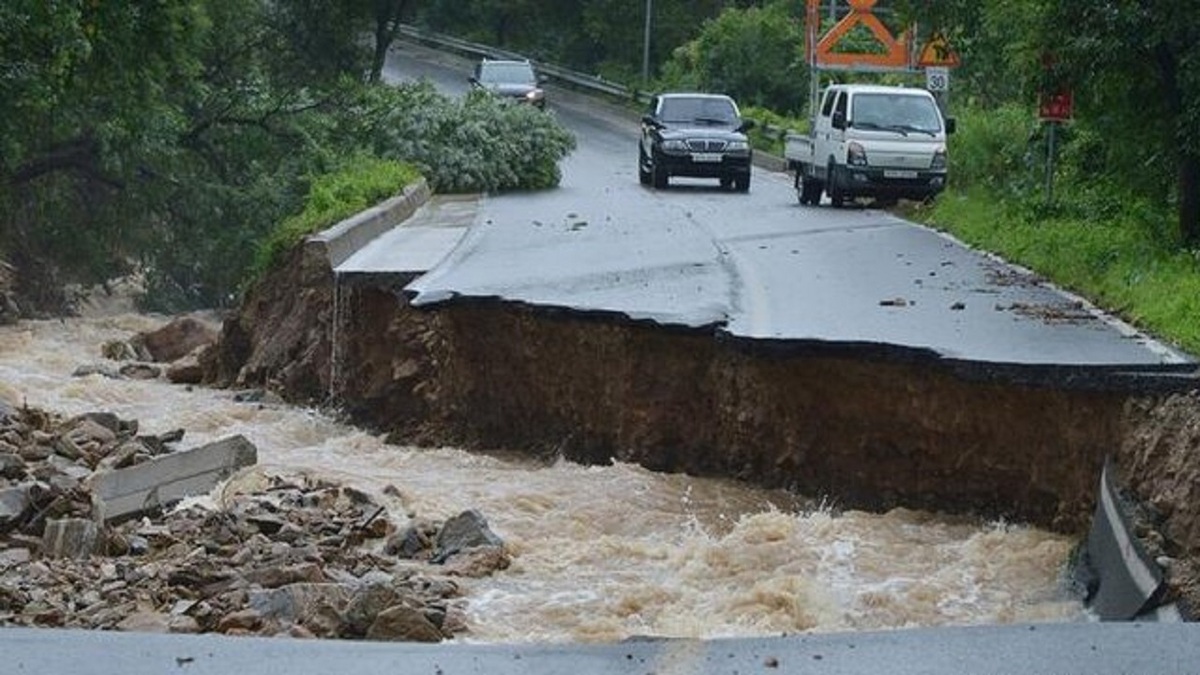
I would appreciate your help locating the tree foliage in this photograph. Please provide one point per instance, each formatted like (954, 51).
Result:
(170, 138)
(755, 55)
(1133, 70)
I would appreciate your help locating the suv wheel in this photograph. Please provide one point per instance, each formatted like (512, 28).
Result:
(659, 176)
(742, 184)
(643, 172)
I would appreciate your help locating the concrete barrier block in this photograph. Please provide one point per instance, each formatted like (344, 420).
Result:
(165, 480)
(345, 238)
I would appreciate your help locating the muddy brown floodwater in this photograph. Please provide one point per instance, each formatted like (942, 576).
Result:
(601, 553)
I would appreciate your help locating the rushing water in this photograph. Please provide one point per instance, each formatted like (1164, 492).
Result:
(600, 553)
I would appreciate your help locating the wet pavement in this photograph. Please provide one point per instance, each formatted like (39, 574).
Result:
(757, 266)
(1064, 649)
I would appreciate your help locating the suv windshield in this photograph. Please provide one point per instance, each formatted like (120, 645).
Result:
(710, 109)
(896, 112)
(509, 73)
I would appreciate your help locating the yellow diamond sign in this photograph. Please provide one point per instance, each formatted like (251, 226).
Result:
(937, 53)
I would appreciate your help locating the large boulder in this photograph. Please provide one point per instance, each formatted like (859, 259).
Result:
(177, 339)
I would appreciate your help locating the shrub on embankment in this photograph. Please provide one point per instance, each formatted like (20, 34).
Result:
(363, 182)
(477, 144)
(1091, 233)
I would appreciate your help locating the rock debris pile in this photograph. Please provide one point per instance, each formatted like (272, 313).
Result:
(272, 555)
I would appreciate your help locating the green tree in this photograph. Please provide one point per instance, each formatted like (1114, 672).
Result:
(1131, 66)
(169, 138)
(755, 55)
(1134, 68)
(85, 102)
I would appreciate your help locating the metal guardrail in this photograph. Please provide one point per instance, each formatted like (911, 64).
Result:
(593, 83)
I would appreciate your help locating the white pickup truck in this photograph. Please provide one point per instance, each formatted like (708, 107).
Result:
(871, 141)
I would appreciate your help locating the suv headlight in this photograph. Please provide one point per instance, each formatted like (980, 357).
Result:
(535, 95)
(856, 155)
(738, 146)
(674, 145)
(939, 160)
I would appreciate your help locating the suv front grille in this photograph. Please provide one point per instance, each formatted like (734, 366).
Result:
(706, 145)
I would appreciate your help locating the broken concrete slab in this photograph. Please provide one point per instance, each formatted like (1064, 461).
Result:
(1129, 581)
(165, 480)
(74, 538)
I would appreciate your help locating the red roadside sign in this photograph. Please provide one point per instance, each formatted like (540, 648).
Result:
(1056, 107)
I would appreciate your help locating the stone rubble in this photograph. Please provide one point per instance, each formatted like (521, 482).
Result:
(296, 556)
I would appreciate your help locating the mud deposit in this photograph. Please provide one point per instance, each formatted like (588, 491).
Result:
(859, 428)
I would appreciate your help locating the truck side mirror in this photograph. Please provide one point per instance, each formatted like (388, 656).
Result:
(839, 120)
(951, 125)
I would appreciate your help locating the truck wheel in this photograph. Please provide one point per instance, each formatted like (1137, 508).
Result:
(810, 191)
(836, 196)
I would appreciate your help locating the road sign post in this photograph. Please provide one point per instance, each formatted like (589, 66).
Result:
(1056, 105)
(937, 79)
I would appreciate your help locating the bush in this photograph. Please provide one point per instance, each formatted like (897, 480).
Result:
(770, 128)
(996, 149)
(478, 144)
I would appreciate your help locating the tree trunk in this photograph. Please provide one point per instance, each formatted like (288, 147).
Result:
(388, 14)
(382, 42)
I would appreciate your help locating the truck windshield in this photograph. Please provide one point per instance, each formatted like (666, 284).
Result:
(700, 109)
(902, 113)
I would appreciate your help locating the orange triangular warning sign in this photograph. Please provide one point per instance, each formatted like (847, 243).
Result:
(937, 52)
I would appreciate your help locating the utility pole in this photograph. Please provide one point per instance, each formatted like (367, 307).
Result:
(646, 43)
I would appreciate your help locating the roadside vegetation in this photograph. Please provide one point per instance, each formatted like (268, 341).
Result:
(179, 140)
(182, 141)
(332, 197)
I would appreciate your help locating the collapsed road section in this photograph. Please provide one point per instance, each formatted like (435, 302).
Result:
(863, 425)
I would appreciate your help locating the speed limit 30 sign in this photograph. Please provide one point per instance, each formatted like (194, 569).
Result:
(937, 78)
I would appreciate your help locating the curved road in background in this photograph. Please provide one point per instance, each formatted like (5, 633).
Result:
(758, 265)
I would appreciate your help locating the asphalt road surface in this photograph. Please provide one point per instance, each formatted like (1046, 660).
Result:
(756, 265)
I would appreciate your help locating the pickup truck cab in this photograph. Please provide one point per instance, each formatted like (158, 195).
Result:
(871, 141)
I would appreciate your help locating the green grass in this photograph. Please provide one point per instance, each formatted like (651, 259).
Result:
(361, 183)
(1119, 260)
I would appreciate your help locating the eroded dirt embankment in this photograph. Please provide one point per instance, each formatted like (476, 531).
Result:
(863, 432)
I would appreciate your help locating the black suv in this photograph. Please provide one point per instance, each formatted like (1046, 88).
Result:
(511, 80)
(697, 135)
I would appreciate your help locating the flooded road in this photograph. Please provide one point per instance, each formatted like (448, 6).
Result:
(600, 553)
